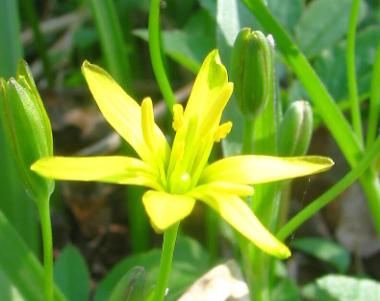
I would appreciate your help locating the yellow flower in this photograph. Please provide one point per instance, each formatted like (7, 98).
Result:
(180, 175)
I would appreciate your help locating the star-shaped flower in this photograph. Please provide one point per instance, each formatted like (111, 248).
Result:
(179, 175)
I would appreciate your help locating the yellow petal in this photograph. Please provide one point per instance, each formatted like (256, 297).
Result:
(198, 128)
(211, 80)
(237, 213)
(225, 187)
(166, 209)
(222, 131)
(121, 111)
(262, 169)
(112, 169)
(177, 116)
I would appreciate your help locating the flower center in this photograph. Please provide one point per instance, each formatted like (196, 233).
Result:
(191, 149)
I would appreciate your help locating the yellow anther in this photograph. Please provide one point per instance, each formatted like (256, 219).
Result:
(222, 131)
(147, 122)
(177, 116)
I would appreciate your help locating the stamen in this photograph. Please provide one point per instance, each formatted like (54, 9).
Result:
(177, 116)
(222, 131)
(147, 122)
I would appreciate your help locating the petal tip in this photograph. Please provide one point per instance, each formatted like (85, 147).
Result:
(284, 253)
(34, 166)
(86, 64)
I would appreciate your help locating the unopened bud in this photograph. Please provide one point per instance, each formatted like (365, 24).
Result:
(252, 71)
(27, 128)
(296, 129)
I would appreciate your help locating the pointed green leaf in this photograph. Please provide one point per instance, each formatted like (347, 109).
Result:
(71, 274)
(130, 287)
(20, 265)
(342, 288)
(322, 24)
(325, 250)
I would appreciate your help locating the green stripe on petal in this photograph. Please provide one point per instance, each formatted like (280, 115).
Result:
(166, 209)
(211, 80)
(237, 213)
(122, 112)
(112, 169)
(263, 169)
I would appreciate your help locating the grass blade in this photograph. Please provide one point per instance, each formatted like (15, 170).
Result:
(14, 202)
(351, 71)
(10, 45)
(20, 265)
(111, 39)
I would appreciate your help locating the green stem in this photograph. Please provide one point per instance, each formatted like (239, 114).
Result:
(259, 280)
(247, 147)
(212, 222)
(139, 226)
(351, 71)
(374, 101)
(333, 192)
(155, 54)
(47, 241)
(170, 237)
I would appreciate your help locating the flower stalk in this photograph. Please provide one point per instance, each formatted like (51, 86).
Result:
(168, 245)
(156, 56)
(47, 241)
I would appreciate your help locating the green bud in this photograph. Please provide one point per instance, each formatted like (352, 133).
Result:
(27, 129)
(296, 129)
(252, 71)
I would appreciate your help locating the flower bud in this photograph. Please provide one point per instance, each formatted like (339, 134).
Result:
(27, 129)
(252, 71)
(296, 129)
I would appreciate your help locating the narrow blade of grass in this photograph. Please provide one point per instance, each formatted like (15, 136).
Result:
(112, 41)
(374, 104)
(29, 10)
(14, 202)
(20, 265)
(351, 71)
(11, 49)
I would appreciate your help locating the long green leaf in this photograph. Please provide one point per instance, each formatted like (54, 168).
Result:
(14, 202)
(20, 266)
(29, 10)
(112, 41)
(10, 45)
(71, 274)
(325, 250)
